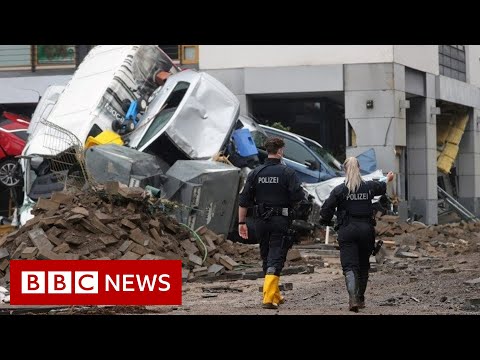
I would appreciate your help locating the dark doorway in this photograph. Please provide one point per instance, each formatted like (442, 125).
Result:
(320, 119)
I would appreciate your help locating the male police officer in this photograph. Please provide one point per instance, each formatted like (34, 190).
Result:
(356, 235)
(272, 189)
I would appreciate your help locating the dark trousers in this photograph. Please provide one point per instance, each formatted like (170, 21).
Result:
(272, 237)
(356, 241)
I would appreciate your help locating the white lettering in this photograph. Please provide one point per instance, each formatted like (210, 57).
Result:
(115, 284)
(127, 282)
(146, 280)
(166, 283)
(359, 196)
(268, 180)
(114, 112)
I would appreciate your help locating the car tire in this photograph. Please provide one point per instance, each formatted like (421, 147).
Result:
(9, 173)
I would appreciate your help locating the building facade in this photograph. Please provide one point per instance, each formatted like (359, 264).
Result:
(397, 99)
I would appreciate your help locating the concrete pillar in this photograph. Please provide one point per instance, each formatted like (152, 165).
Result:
(422, 159)
(469, 165)
(244, 104)
(374, 94)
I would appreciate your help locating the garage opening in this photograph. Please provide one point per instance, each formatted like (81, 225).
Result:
(320, 118)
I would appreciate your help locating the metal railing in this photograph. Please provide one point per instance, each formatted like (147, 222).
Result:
(463, 212)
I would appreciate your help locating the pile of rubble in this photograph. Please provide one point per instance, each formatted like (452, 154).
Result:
(119, 223)
(417, 239)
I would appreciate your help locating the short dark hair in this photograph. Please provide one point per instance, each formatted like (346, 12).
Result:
(272, 144)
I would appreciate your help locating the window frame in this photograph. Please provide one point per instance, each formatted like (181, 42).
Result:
(53, 65)
(452, 61)
(185, 61)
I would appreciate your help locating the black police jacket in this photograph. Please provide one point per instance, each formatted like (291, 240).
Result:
(272, 184)
(358, 204)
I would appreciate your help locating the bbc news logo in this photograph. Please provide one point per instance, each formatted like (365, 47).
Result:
(96, 282)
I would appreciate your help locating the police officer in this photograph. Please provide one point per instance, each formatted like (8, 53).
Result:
(356, 227)
(272, 189)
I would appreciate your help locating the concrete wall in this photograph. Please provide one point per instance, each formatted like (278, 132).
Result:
(382, 127)
(25, 90)
(422, 158)
(473, 64)
(295, 79)
(457, 92)
(469, 165)
(420, 57)
(242, 56)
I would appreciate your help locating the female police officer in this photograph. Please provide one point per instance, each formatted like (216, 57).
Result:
(356, 227)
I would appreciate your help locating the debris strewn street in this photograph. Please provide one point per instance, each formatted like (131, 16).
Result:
(138, 155)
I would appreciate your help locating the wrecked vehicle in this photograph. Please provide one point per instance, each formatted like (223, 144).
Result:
(309, 159)
(13, 136)
(189, 116)
(110, 77)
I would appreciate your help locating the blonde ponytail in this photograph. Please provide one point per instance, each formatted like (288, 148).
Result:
(353, 179)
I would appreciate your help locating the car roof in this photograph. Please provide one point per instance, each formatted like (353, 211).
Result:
(288, 133)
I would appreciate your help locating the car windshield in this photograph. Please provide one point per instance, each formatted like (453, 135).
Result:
(158, 123)
(324, 155)
(166, 113)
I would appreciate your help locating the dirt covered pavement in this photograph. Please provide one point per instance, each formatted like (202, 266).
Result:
(424, 287)
(420, 270)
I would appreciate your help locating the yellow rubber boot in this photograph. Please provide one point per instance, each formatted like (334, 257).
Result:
(278, 298)
(270, 287)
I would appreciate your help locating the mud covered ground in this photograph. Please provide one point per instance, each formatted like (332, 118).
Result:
(428, 286)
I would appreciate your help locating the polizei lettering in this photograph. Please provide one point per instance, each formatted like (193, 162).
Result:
(359, 196)
(268, 180)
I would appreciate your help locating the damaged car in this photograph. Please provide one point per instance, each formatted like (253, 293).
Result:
(13, 137)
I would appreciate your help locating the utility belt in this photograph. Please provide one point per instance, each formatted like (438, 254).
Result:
(344, 219)
(361, 218)
(266, 212)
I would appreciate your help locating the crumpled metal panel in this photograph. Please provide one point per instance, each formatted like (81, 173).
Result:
(205, 121)
(202, 122)
(45, 106)
(119, 163)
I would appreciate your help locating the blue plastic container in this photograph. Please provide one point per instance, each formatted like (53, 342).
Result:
(244, 143)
